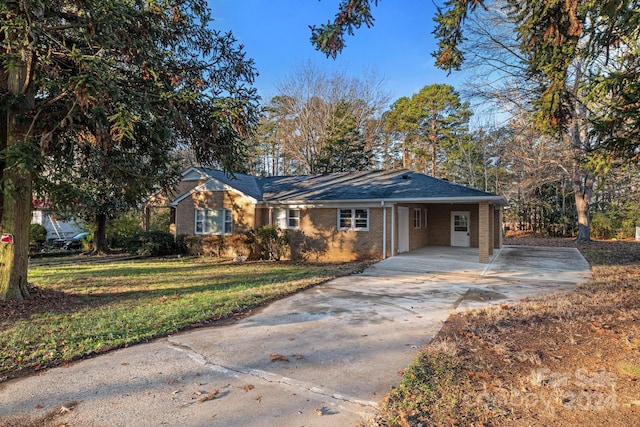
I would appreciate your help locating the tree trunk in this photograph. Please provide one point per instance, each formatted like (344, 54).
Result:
(433, 139)
(16, 220)
(583, 178)
(405, 152)
(4, 122)
(583, 188)
(16, 195)
(100, 234)
(433, 158)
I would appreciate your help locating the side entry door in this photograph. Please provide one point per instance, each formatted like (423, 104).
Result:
(461, 228)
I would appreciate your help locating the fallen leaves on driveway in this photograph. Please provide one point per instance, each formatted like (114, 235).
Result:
(278, 357)
(209, 396)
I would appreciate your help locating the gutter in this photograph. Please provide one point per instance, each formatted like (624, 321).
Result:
(497, 200)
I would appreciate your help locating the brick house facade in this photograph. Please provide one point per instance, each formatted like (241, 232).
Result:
(342, 216)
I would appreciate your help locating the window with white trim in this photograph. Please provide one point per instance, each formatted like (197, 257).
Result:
(287, 218)
(213, 221)
(353, 219)
(417, 218)
(293, 218)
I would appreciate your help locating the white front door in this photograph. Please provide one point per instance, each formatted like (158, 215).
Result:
(403, 229)
(460, 228)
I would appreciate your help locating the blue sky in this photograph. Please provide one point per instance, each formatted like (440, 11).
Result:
(276, 34)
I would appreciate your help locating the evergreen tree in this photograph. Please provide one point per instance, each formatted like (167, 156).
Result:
(346, 149)
(142, 76)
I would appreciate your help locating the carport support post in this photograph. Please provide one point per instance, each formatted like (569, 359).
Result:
(484, 230)
(497, 228)
(384, 230)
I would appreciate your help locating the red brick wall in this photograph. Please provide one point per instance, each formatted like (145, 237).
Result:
(243, 210)
(318, 233)
(497, 229)
(320, 238)
(484, 229)
(439, 223)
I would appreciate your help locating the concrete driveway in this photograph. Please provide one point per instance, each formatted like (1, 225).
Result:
(323, 357)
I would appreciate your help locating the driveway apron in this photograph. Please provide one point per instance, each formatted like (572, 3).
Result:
(323, 357)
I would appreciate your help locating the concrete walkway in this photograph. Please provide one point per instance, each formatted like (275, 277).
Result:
(323, 357)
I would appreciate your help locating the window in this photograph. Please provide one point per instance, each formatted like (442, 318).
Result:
(460, 223)
(293, 218)
(287, 218)
(213, 221)
(353, 219)
(417, 218)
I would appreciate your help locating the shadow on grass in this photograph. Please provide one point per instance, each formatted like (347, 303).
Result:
(85, 287)
(43, 300)
(80, 315)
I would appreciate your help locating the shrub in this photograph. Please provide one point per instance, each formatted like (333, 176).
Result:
(159, 220)
(37, 236)
(261, 243)
(123, 230)
(601, 225)
(192, 245)
(237, 245)
(87, 243)
(213, 246)
(616, 220)
(153, 243)
(268, 242)
(127, 225)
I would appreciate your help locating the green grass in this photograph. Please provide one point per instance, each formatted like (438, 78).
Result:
(631, 370)
(89, 308)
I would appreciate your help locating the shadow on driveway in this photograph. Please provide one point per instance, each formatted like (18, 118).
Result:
(322, 357)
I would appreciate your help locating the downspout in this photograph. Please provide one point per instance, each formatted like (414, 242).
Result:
(393, 228)
(175, 222)
(384, 230)
(269, 216)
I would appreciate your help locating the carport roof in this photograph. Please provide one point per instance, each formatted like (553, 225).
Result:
(380, 185)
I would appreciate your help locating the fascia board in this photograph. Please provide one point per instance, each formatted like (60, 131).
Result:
(498, 200)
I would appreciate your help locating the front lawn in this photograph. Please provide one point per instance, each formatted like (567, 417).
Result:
(82, 309)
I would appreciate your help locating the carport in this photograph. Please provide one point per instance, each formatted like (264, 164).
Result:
(440, 223)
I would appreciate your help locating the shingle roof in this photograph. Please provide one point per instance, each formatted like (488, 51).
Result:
(368, 185)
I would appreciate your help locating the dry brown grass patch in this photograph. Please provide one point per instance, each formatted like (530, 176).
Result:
(566, 359)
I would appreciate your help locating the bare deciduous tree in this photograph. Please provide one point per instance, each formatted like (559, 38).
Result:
(309, 105)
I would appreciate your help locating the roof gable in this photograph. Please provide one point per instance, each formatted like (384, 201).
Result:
(193, 174)
(245, 184)
(216, 180)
